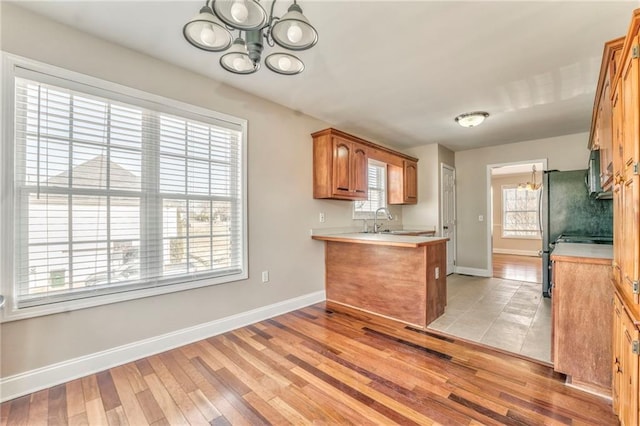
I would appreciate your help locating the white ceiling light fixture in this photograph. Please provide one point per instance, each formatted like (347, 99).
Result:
(471, 119)
(210, 30)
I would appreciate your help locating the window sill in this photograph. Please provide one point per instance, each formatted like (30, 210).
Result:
(11, 313)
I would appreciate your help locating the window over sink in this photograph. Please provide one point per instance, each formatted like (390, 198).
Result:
(377, 191)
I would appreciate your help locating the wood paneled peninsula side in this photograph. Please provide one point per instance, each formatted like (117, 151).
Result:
(394, 276)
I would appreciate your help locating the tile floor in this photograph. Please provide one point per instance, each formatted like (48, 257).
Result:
(506, 314)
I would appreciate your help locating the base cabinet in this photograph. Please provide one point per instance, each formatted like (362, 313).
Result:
(625, 365)
(582, 323)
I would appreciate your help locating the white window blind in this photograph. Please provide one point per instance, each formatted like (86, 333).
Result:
(520, 210)
(114, 196)
(377, 192)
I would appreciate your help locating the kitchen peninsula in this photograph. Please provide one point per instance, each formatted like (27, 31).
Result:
(396, 276)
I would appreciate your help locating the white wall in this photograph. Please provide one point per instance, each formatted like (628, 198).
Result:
(563, 153)
(281, 208)
(426, 213)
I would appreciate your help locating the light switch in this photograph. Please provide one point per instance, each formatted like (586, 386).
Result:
(481, 218)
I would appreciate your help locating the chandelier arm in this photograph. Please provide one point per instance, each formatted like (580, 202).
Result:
(269, 25)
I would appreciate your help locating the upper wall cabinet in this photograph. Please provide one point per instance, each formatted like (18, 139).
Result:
(601, 137)
(340, 165)
(403, 183)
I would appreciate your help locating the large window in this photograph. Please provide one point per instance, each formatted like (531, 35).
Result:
(377, 193)
(520, 212)
(115, 194)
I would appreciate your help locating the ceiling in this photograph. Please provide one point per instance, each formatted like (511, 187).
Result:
(398, 72)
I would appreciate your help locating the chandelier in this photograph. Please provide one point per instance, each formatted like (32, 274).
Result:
(211, 29)
(531, 186)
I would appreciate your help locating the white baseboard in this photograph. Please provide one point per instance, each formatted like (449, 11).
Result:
(472, 271)
(31, 381)
(533, 253)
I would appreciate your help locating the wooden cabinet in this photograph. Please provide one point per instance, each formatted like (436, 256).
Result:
(625, 365)
(625, 126)
(340, 166)
(626, 157)
(602, 130)
(403, 183)
(582, 322)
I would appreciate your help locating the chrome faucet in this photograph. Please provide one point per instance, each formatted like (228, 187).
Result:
(376, 226)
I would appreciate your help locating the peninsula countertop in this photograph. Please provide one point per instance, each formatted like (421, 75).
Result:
(380, 239)
(589, 253)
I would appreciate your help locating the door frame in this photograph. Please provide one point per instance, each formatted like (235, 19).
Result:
(444, 166)
(489, 210)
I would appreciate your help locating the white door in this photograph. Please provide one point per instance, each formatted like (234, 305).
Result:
(448, 205)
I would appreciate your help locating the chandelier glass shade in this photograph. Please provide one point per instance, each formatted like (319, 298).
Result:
(211, 28)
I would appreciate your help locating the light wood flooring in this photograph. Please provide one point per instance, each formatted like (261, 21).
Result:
(322, 366)
(519, 268)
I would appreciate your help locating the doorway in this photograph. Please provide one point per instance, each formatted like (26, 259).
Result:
(514, 224)
(448, 212)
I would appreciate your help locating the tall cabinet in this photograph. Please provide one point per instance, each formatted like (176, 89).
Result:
(621, 65)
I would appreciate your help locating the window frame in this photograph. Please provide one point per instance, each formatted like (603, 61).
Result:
(15, 66)
(366, 215)
(538, 235)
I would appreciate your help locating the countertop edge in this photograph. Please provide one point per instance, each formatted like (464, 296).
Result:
(342, 239)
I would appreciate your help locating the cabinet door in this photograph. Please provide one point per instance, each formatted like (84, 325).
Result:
(629, 249)
(605, 138)
(617, 354)
(630, 110)
(341, 166)
(616, 131)
(618, 232)
(629, 376)
(410, 182)
(360, 172)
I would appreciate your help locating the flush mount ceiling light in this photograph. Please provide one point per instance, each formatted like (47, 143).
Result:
(211, 28)
(471, 119)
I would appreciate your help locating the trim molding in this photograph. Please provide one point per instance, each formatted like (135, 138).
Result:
(472, 271)
(54, 374)
(532, 253)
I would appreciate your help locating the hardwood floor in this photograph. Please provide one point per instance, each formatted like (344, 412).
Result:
(317, 365)
(519, 268)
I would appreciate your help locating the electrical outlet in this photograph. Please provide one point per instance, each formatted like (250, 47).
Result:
(437, 272)
(481, 218)
(322, 217)
(265, 276)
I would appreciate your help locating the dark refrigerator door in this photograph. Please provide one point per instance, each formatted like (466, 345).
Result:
(544, 220)
(546, 274)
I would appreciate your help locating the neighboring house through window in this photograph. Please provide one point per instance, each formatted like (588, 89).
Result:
(118, 194)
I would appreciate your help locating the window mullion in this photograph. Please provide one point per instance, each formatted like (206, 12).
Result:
(151, 226)
(70, 198)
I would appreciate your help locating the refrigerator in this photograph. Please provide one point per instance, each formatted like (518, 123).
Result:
(569, 213)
